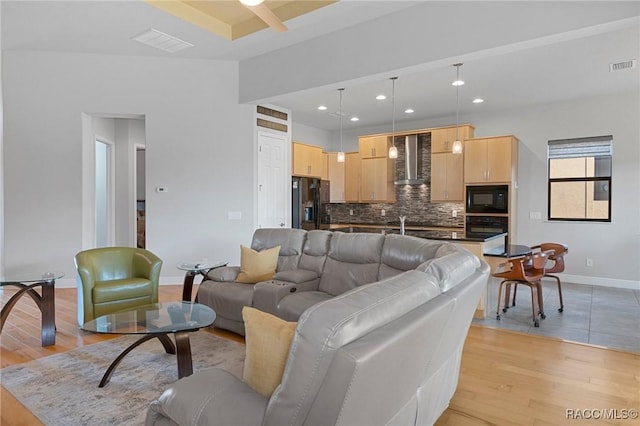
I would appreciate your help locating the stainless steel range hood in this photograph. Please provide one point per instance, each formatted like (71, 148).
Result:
(413, 161)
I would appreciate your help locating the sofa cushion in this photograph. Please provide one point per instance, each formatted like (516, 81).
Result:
(353, 260)
(315, 250)
(224, 273)
(256, 266)
(290, 241)
(296, 276)
(402, 253)
(294, 304)
(268, 339)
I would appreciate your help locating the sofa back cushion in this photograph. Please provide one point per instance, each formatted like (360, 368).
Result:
(401, 253)
(290, 241)
(327, 326)
(353, 260)
(315, 250)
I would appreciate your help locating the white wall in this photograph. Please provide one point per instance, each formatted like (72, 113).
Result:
(200, 146)
(312, 135)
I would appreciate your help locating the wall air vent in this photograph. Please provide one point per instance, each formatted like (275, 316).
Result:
(162, 41)
(624, 65)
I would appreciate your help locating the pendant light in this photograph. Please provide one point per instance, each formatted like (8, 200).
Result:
(456, 147)
(340, 158)
(393, 150)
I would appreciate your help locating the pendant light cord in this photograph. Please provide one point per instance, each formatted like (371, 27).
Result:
(341, 90)
(393, 107)
(457, 98)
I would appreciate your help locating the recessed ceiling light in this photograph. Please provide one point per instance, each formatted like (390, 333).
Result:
(251, 2)
(478, 101)
(162, 41)
(458, 83)
(355, 119)
(409, 111)
(322, 108)
(381, 97)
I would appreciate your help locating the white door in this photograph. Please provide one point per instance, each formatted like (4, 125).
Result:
(273, 181)
(104, 193)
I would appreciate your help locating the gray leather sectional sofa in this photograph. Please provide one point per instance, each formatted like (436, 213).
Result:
(314, 266)
(379, 338)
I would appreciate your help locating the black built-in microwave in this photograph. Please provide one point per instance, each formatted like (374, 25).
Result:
(487, 199)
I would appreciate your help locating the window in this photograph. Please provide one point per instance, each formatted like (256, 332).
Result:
(580, 179)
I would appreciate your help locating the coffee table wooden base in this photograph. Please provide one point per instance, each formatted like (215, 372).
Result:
(182, 350)
(45, 302)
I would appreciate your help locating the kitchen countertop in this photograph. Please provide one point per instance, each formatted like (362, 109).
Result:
(431, 233)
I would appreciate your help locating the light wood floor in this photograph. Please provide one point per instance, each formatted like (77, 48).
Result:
(507, 378)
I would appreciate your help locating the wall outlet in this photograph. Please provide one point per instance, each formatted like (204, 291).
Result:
(350, 212)
(535, 215)
(454, 213)
(383, 213)
(589, 262)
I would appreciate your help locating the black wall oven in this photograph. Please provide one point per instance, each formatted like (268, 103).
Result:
(486, 226)
(487, 199)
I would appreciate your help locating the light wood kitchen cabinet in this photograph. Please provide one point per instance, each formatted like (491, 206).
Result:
(306, 160)
(376, 181)
(324, 170)
(442, 138)
(374, 146)
(336, 175)
(491, 159)
(447, 182)
(352, 177)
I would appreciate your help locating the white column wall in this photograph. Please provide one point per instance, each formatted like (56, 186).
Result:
(199, 146)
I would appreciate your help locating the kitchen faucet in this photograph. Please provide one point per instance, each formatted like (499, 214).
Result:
(402, 218)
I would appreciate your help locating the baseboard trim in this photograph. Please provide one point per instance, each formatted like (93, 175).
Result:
(575, 279)
(600, 281)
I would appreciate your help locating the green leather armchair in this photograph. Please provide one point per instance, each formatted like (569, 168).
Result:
(111, 279)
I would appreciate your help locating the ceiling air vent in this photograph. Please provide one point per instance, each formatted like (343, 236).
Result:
(624, 65)
(162, 41)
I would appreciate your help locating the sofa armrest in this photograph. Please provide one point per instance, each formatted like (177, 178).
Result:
(208, 397)
(296, 276)
(268, 294)
(225, 273)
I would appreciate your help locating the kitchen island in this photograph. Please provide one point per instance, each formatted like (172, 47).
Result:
(487, 247)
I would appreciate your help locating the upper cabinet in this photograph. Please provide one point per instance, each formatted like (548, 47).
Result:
(336, 176)
(491, 160)
(307, 160)
(446, 177)
(374, 146)
(442, 138)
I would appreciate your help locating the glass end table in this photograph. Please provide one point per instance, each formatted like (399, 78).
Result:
(196, 268)
(156, 321)
(45, 300)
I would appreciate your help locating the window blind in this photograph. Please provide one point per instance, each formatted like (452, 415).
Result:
(597, 146)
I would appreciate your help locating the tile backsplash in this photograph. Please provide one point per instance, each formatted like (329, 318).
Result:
(412, 201)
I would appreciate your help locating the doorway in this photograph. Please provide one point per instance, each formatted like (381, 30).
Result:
(112, 171)
(273, 181)
(104, 191)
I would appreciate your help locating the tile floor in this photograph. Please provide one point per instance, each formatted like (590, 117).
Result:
(596, 315)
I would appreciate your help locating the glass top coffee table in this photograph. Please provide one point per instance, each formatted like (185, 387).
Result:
(157, 320)
(45, 300)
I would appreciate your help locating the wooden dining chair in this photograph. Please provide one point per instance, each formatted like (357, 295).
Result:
(555, 264)
(527, 270)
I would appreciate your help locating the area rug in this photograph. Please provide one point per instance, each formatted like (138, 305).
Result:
(62, 389)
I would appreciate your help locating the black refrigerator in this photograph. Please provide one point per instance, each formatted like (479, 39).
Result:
(309, 201)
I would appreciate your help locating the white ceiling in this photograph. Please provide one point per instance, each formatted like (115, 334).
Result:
(562, 70)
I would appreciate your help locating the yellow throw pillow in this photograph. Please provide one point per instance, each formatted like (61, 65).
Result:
(268, 339)
(256, 266)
